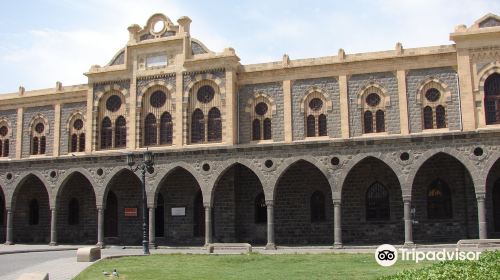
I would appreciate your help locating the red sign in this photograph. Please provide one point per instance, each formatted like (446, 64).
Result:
(130, 212)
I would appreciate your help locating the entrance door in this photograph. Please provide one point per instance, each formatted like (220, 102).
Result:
(496, 205)
(160, 217)
(111, 216)
(199, 216)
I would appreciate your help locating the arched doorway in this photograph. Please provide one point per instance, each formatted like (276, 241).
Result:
(444, 200)
(303, 207)
(179, 190)
(372, 205)
(234, 197)
(76, 211)
(31, 212)
(492, 202)
(123, 212)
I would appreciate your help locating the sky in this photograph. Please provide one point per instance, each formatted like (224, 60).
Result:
(45, 41)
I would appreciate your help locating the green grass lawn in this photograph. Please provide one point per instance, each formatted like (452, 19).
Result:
(253, 266)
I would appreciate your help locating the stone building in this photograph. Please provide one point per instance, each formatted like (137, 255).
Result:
(398, 146)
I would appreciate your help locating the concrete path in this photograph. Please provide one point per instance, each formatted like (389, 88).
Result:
(60, 261)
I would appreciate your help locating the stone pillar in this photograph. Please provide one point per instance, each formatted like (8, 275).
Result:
(152, 233)
(19, 133)
(9, 238)
(287, 108)
(408, 222)
(100, 227)
(270, 225)
(208, 224)
(344, 106)
(337, 224)
(481, 216)
(53, 227)
(57, 130)
(403, 102)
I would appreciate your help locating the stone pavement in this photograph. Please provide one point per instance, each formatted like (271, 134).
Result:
(66, 267)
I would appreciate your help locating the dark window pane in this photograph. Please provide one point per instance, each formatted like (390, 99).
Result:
(311, 126)
(150, 130)
(322, 125)
(166, 128)
(267, 129)
(368, 122)
(6, 147)
(440, 117)
(81, 144)
(34, 146)
(428, 119)
(492, 99)
(380, 121)
(120, 132)
(197, 127)
(439, 200)
(377, 202)
(214, 125)
(43, 144)
(256, 129)
(106, 133)
(74, 142)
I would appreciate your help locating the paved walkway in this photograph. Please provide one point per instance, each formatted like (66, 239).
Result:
(60, 261)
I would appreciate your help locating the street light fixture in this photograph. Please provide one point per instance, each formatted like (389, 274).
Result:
(146, 165)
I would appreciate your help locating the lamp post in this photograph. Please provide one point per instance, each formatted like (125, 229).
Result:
(146, 165)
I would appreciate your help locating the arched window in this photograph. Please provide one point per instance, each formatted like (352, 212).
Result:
(368, 122)
(311, 126)
(34, 212)
(322, 130)
(318, 207)
(38, 140)
(214, 125)
(377, 202)
(120, 132)
(261, 114)
(380, 122)
(73, 212)
(166, 129)
(267, 129)
(150, 130)
(74, 143)
(256, 129)
(439, 200)
(81, 142)
(315, 110)
(106, 134)
(197, 127)
(428, 122)
(160, 216)
(4, 139)
(76, 130)
(492, 99)
(440, 117)
(260, 209)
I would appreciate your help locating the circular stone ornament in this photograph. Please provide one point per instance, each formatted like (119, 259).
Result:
(158, 99)
(78, 124)
(39, 128)
(316, 104)
(113, 103)
(261, 108)
(432, 95)
(373, 99)
(205, 94)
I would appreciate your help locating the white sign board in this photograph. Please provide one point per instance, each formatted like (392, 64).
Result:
(178, 211)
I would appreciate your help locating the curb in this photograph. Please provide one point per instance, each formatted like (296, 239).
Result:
(37, 251)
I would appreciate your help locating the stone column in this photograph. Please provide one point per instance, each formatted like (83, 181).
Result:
(287, 108)
(53, 227)
(9, 238)
(208, 224)
(152, 234)
(481, 216)
(100, 227)
(270, 225)
(408, 222)
(337, 224)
